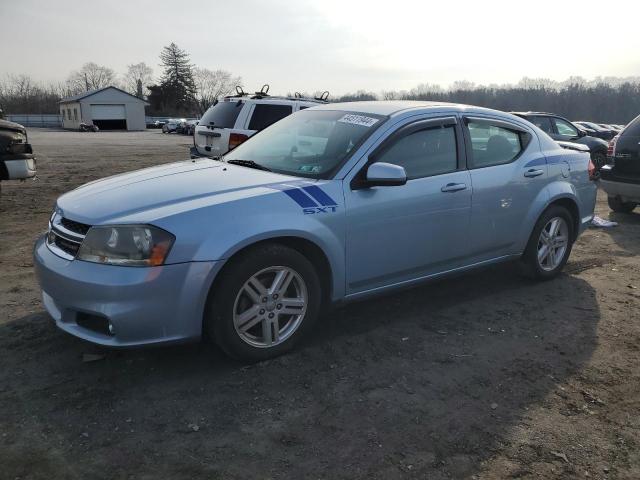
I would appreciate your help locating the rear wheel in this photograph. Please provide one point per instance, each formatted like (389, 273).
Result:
(265, 301)
(617, 205)
(550, 244)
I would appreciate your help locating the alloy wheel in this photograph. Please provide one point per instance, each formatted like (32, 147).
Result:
(552, 244)
(270, 306)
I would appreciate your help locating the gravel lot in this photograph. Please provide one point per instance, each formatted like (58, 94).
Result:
(482, 376)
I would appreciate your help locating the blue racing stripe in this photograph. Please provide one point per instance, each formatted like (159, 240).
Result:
(320, 196)
(300, 198)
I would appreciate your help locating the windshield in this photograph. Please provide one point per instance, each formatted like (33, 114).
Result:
(310, 143)
(222, 114)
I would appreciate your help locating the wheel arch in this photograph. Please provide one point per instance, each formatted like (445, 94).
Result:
(557, 193)
(308, 248)
(572, 206)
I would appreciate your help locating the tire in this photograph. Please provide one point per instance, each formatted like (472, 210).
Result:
(599, 160)
(617, 205)
(238, 319)
(549, 266)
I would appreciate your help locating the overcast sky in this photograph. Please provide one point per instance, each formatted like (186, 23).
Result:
(336, 45)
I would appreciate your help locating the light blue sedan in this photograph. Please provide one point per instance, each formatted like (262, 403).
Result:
(330, 204)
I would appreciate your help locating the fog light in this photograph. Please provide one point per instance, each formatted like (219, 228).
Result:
(111, 329)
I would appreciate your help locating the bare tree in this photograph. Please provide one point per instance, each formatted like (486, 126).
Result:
(138, 75)
(211, 85)
(90, 77)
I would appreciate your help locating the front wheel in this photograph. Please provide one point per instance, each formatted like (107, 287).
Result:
(550, 244)
(617, 205)
(263, 303)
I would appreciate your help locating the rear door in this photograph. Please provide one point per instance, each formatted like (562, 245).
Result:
(507, 173)
(627, 156)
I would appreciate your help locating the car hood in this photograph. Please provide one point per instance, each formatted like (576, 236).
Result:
(145, 195)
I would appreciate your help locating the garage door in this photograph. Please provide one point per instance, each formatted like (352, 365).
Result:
(107, 112)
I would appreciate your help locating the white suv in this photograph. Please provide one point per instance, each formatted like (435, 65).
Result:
(234, 119)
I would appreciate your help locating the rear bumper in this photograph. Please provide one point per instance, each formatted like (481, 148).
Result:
(194, 153)
(145, 306)
(628, 192)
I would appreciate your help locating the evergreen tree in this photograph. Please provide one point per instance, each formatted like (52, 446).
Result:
(177, 81)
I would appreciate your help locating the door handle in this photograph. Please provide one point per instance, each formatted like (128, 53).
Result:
(533, 173)
(453, 187)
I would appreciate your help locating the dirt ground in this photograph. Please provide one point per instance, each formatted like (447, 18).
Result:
(482, 376)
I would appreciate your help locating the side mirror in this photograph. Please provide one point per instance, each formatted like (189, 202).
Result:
(581, 133)
(385, 175)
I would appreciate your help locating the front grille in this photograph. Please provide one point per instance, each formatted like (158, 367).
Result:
(65, 245)
(65, 236)
(75, 227)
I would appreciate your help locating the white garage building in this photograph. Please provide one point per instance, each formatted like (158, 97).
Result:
(109, 108)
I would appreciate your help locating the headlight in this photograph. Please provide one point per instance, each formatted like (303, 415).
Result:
(131, 245)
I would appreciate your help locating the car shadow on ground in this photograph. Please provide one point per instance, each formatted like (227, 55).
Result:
(426, 383)
(623, 234)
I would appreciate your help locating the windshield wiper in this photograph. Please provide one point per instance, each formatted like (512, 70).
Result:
(249, 163)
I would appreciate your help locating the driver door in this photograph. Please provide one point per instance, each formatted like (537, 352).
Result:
(396, 234)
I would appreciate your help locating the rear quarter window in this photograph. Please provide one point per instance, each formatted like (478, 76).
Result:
(265, 115)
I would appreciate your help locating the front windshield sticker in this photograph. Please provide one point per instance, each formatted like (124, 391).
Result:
(311, 168)
(358, 120)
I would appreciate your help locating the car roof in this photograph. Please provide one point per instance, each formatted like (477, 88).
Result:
(397, 107)
(537, 113)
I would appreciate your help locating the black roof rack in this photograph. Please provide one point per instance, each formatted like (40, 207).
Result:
(264, 93)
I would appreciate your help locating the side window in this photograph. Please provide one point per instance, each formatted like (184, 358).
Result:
(543, 123)
(265, 114)
(494, 145)
(565, 128)
(75, 114)
(302, 107)
(424, 153)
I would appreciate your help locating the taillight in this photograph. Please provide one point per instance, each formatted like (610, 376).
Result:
(236, 139)
(611, 149)
(592, 171)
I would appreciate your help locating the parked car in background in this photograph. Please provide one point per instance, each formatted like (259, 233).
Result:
(561, 129)
(600, 132)
(233, 120)
(191, 126)
(621, 178)
(17, 161)
(613, 128)
(172, 124)
(334, 203)
(186, 127)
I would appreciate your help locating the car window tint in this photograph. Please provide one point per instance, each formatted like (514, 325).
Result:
(265, 114)
(424, 153)
(543, 123)
(221, 115)
(493, 145)
(565, 128)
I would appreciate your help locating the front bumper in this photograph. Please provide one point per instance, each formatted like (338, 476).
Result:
(145, 306)
(20, 167)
